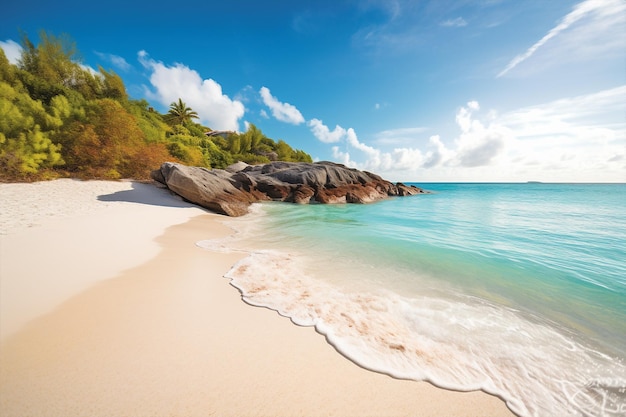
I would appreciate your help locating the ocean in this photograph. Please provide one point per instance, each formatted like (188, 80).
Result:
(518, 290)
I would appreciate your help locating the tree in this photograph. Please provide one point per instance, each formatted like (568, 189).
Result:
(255, 136)
(109, 145)
(7, 70)
(234, 143)
(24, 147)
(113, 85)
(150, 122)
(180, 114)
(283, 150)
(54, 59)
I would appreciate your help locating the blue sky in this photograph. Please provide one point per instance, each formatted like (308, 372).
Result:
(414, 90)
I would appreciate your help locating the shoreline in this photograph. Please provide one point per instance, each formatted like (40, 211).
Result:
(168, 335)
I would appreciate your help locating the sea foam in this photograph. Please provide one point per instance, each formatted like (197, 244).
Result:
(453, 343)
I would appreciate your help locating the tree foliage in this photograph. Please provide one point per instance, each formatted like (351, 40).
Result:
(180, 114)
(59, 118)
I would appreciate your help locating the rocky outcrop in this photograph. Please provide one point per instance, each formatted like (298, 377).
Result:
(232, 190)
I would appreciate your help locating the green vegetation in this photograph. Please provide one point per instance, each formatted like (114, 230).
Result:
(59, 119)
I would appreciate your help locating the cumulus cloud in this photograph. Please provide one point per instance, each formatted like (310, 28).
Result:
(482, 151)
(579, 138)
(353, 141)
(437, 153)
(342, 157)
(12, 50)
(284, 112)
(205, 96)
(478, 144)
(373, 158)
(347, 136)
(405, 159)
(596, 19)
(324, 134)
(473, 105)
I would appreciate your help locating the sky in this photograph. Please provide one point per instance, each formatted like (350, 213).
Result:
(413, 90)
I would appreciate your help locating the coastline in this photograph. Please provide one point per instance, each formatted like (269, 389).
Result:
(147, 325)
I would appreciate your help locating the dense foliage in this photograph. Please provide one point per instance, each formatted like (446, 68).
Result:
(58, 118)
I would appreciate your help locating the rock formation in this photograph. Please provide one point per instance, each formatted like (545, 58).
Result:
(232, 190)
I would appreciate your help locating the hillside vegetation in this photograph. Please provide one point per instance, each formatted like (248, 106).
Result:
(60, 119)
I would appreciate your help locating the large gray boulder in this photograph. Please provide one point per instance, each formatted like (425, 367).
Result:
(232, 190)
(211, 189)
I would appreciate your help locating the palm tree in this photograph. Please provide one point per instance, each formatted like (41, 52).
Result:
(180, 114)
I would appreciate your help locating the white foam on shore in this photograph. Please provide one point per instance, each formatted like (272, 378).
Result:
(460, 343)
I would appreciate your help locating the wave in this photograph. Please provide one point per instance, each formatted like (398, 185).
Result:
(450, 339)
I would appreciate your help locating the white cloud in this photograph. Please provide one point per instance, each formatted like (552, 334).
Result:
(12, 50)
(353, 140)
(215, 109)
(602, 108)
(473, 105)
(405, 159)
(374, 159)
(457, 23)
(342, 157)
(284, 112)
(581, 138)
(324, 134)
(478, 144)
(116, 60)
(438, 154)
(597, 25)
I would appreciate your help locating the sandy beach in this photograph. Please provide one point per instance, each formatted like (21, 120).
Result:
(109, 308)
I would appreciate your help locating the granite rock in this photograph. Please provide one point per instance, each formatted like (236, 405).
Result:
(232, 190)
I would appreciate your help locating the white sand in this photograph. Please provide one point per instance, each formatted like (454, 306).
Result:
(109, 309)
(60, 237)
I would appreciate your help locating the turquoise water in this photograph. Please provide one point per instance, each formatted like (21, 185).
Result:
(515, 289)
